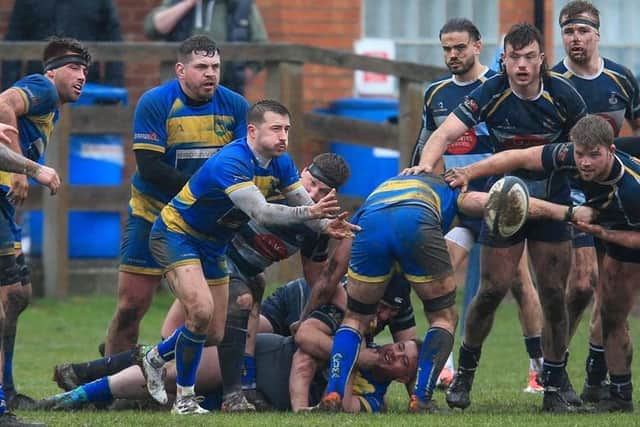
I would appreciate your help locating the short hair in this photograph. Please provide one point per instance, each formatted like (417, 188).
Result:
(462, 25)
(575, 8)
(591, 131)
(59, 46)
(522, 35)
(332, 169)
(199, 44)
(256, 113)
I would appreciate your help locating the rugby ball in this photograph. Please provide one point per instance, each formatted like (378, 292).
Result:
(507, 208)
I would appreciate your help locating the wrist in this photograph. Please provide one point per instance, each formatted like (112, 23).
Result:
(568, 215)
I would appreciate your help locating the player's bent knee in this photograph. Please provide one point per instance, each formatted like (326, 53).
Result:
(361, 308)
(9, 270)
(439, 303)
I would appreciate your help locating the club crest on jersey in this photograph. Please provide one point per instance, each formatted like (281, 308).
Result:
(613, 99)
(471, 104)
(562, 153)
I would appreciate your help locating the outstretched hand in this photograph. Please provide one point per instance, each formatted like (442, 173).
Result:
(595, 230)
(327, 207)
(457, 177)
(339, 228)
(19, 189)
(415, 170)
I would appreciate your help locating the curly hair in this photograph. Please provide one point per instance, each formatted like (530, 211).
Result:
(332, 167)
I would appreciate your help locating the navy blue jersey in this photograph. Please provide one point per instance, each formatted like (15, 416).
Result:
(616, 199)
(514, 122)
(611, 93)
(440, 99)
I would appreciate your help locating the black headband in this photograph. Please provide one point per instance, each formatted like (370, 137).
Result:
(61, 61)
(580, 21)
(318, 174)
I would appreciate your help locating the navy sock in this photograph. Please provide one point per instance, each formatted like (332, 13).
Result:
(533, 346)
(188, 352)
(8, 344)
(98, 390)
(104, 367)
(596, 365)
(167, 347)
(553, 373)
(249, 372)
(469, 357)
(344, 354)
(621, 386)
(437, 345)
(3, 404)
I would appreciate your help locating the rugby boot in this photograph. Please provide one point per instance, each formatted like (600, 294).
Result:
(17, 400)
(534, 385)
(236, 402)
(555, 402)
(188, 405)
(154, 373)
(613, 403)
(65, 376)
(68, 401)
(595, 393)
(331, 402)
(568, 392)
(258, 399)
(10, 420)
(458, 394)
(417, 406)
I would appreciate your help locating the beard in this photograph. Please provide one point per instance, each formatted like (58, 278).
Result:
(462, 67)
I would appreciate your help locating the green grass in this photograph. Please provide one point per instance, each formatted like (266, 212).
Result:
(52, 332)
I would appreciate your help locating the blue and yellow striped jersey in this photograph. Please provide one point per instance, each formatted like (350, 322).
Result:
(203, 208)
(34, 127)
(187, 135)
(369, 391)
(427, 190)
(611, 93)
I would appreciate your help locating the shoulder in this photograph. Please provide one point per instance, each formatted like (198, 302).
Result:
(558, 86)
(226, 97)
(559, 68)
(36, 83)
(619, 69)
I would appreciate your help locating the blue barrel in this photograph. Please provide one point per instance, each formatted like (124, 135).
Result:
(369, 166)
(96, 159)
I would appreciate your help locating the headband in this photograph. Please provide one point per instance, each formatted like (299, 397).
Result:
(318, 174)
(61, 61)
(582, 21)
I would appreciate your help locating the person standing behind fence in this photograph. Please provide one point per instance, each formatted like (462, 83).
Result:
(461, 44)
(35, 20)
(30, 105)
(177, 127)
(222, 20)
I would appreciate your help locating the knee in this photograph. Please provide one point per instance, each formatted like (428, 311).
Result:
(134, 298)
(17, 299)
(553, 302)
(199, 317)
(488, 300)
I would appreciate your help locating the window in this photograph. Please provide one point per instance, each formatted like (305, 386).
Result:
(414, 25)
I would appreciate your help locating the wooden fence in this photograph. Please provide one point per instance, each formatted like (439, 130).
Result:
(284, 66)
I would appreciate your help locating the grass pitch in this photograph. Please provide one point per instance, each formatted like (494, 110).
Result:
(52, 332)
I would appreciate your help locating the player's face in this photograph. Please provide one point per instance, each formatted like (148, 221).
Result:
(459, 51)
(398, 361)
(200, 76)
(523, 65)
(316, 188)
(580, 41)
(69, 81)
(594, 163)
(272, 135)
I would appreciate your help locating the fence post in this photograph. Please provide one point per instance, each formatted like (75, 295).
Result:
(409, 118)
(55, 258)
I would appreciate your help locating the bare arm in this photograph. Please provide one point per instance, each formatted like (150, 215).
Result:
(165, 20)
(303, 368)
(450, 130)
(12, 106)
(626, 238)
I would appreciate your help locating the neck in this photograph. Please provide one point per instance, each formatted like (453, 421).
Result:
(590, 68)
(262, 157)
(530, 91)
(471, 75)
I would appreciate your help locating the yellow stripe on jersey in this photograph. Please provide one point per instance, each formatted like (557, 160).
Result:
(436, 89)
(144, 206)
(615, 77)
(500, 100)
(44, 123)
(632, 173)
(218, 282)
(230, 189)
(210, 131)
(177, 224)
(369, 279)
(419, 279)
(24, 96)
(185, 196)
(422, 192)
(146, 271)
(5, 178)
(292, 187)
(150, 147)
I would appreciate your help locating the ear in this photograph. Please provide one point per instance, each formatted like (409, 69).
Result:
(251, 130)
(180, 70)
(541, 56)
(50, 73)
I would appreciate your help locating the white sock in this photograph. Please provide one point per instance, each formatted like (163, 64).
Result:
(535, 365)
(449, 364)
(184, 391)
